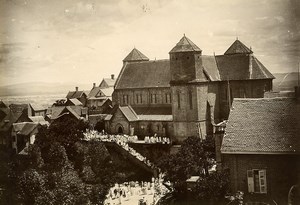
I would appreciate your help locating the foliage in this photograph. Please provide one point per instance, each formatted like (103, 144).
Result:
(214, 186)
(65, 131)
(195, 158)
(61, 169)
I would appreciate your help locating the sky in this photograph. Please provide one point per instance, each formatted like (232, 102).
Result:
(86, 40)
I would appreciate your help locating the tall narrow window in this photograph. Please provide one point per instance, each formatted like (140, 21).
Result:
(168, 98)
(124, 99)
(191, 99)
(137, 98)
(178, 99)
(141, 98)
(155, 98)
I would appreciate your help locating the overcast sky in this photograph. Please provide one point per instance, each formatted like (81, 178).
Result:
(86, 40)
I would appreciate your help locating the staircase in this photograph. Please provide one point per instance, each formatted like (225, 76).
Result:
(127, 155)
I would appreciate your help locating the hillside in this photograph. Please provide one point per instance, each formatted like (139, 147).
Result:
(40, 88)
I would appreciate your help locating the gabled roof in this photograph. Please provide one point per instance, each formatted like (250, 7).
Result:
(37, 107)
(75, 101)
(68, 110)
(98, 92)
(129, 113)
(8, 118)
(107, 82)
(262, 126)
(39, 119)
(144, 74)
(135, 55)
(75, 94)
(2, 104)
(24, 128)
(185, 45)
(238, 48)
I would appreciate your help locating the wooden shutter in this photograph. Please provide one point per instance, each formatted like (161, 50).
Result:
(250, 177)
(262, 181)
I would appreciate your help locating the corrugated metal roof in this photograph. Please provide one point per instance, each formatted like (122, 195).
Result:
(267, 125)
(75, 101)
(129, 113)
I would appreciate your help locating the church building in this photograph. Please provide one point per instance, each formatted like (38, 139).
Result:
(185, 95)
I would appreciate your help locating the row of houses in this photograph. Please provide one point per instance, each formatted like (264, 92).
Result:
(98, 99)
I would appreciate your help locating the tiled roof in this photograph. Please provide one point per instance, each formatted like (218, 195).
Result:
(135, 55)
(144, 75)
(129, 113)
(237, 67)
(185, 45)
(238, 48)
(152, 74)
(210, 68)
(155, 117)
(267, 125)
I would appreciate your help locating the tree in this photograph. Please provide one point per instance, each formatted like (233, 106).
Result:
(195, 157)
(66, 131)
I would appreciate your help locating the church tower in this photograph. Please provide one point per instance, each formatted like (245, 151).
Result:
(189, 90)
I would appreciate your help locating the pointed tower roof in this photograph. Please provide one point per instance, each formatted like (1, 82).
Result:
(135, 55)
(238, 48)
(185, 45)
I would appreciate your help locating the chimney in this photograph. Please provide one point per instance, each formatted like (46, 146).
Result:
(76, 88)
(94, 85)
(112, 76)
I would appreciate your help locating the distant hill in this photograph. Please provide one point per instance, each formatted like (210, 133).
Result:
(40, 88)
(285, 81)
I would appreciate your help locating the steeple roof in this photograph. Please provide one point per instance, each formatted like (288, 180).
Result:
(185, 45)
(238, 48)
(135, 55)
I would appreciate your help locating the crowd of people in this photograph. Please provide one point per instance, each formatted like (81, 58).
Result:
(121, 140)
(143, 193)
(94, 134)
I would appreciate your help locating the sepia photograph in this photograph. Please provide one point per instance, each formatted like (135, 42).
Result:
(149, 102)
